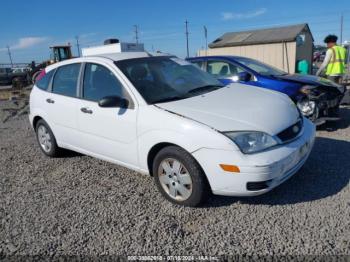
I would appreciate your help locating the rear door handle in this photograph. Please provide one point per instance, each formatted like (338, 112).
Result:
(50, 101)
(86, 110)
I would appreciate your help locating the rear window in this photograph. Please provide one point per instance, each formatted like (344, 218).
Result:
(66, 79)
(44, 82)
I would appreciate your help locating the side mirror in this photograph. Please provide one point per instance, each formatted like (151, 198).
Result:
(244, 76)
(113, 101)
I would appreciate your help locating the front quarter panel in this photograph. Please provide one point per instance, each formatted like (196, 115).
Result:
(156, 125)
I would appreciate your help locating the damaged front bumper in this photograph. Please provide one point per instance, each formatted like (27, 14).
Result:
(320, 107)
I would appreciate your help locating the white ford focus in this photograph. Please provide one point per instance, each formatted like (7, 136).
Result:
(162, 116)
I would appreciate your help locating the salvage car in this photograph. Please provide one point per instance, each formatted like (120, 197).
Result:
(316, 97)
(163, 116)
(7, 77)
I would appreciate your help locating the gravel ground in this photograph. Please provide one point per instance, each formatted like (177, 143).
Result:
(78, 205)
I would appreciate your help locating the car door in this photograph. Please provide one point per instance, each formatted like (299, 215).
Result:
(61, 103)
(108, 133)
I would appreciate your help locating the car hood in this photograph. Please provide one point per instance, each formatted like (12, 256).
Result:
(308, 79)
(238, 107)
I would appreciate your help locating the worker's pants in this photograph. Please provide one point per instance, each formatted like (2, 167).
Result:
(336, 79)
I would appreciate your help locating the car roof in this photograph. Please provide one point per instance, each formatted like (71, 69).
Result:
(112, 56)
(123, 55)
(216, 56)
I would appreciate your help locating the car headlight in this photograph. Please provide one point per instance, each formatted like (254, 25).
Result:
(306, 106)
(306, 89)
(251, 141)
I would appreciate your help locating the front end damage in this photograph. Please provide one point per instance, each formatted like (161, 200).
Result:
(320, 103)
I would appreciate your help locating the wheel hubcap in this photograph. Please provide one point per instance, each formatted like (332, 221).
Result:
(175, 179)
(44, 138)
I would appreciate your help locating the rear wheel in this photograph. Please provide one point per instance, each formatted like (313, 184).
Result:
(46, 139)
(179, 177)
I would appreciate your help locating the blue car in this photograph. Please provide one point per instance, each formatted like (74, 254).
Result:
(317, 98)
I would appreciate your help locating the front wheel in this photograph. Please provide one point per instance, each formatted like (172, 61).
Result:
(179, 177)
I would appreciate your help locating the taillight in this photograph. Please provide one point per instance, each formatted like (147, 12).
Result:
(41, 75)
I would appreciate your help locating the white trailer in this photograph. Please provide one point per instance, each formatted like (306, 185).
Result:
(112, 48)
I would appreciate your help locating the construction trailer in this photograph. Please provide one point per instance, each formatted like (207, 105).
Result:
(114, 47)
(281, 47)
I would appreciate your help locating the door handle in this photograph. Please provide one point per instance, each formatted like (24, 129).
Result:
(50, 101)
(86, 110)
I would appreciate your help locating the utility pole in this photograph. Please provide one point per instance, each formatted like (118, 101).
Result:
(188, 52)
(10, 56)
(136, 33)
(78, 46)
(341, 28)
(206, 40)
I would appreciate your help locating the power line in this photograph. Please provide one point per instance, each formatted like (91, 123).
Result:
(10, 56)
(78, 46)
(136, 34)
(188, 52)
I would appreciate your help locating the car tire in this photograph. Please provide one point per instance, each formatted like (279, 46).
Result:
(17, 83)
(46, 139)
(179, 177)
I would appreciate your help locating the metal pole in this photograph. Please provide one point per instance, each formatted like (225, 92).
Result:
(10, 56)
(206, 40)
(348, 62)
(341, 29)
(136, 34)
(78, 46)
(188, 52)
(283, 55)
(285, 46)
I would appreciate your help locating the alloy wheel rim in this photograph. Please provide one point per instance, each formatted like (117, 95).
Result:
(175, 179)
(44, 138)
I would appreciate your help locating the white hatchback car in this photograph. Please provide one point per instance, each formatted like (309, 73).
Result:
(163, 116)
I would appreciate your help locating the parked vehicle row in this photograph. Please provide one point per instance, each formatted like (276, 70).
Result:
(317, 98)
(9, 76)
(163, 116)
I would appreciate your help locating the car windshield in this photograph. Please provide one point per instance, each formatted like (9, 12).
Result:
(260, 67)
(164, 79)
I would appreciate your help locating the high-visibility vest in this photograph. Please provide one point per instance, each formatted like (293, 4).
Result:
(337, 65)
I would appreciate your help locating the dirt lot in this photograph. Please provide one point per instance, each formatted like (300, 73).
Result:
(77, 205)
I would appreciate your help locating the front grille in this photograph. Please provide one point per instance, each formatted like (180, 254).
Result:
(291, 132)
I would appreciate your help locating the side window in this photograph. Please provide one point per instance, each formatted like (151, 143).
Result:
(222, 69)
(100, 82)
(44, 82)
(66, 79)
(198, 63)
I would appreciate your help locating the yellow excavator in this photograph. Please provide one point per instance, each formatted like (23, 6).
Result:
(58, 54)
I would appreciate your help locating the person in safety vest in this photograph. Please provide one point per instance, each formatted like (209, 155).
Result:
(334, 62)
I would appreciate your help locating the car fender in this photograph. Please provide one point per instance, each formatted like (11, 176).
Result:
(167, 127)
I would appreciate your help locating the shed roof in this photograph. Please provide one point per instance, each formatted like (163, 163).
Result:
(260, 36)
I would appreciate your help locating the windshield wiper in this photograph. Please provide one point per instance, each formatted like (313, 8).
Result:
(168, 99)
(204, 88)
